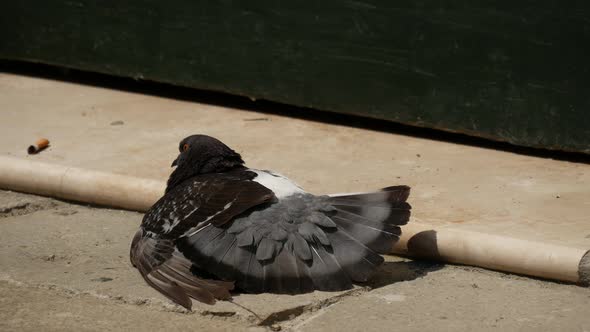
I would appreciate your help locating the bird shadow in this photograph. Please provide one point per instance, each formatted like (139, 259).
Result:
(392, 272)
(424, 245)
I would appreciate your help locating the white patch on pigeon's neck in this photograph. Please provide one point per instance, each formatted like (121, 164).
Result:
(280, 185)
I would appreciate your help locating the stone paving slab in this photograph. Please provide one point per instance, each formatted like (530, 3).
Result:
(65, 267)
(26, 308)
(468, 187)
(459, 299)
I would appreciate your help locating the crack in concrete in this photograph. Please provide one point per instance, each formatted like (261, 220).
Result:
(223, 314)
(255, 318)
(292, 314)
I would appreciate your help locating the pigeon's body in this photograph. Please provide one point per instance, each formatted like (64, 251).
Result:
(258, 230)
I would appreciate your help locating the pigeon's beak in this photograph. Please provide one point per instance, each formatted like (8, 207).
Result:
(174, 163)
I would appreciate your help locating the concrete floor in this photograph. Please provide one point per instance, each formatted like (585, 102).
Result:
(65, 266)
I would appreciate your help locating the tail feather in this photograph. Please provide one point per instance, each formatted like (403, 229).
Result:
(384, 214)
(326, 272)
(373, 219)
(374, 239)
(391, 194)
(356, 259)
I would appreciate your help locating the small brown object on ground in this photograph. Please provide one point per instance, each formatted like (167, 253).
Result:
(40, 145)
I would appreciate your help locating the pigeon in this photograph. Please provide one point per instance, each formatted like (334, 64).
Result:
(223, 227)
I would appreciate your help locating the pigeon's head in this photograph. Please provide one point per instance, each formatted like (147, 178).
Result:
(200, 154)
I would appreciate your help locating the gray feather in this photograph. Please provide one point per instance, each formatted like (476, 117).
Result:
(239, 226)
(322, 220)
(278, 234)
(267, 249)
(319, 235)
(307, 230)
(300, 247)
(246, 238)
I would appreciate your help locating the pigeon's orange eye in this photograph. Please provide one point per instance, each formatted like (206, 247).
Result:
(185, 147)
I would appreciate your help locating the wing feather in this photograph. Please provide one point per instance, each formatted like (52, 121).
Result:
(168, 271)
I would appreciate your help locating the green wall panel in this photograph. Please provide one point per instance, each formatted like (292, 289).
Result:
(514, 71)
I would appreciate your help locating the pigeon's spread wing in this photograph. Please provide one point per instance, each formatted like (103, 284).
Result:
(302, 242)
(193, 205)
(169, 272)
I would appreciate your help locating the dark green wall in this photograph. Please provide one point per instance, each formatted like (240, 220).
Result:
(513, 71)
